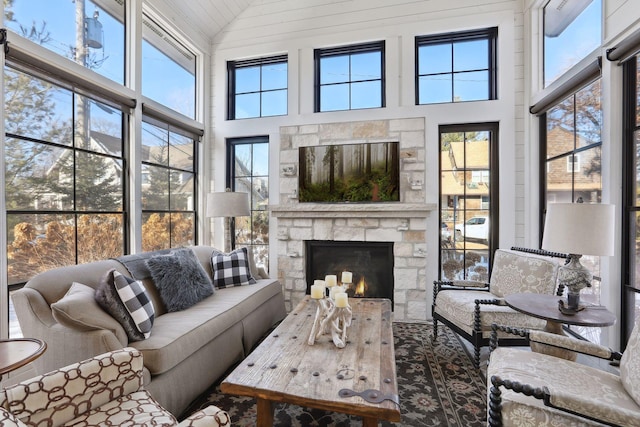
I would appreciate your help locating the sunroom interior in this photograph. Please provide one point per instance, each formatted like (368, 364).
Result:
(121, 116)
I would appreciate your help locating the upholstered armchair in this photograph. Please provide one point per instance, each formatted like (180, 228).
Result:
(470, 307)
(536, 389)
(104, 390)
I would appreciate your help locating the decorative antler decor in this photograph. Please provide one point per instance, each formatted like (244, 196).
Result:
(333, 315)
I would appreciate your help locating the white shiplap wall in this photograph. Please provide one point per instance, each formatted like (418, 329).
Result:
(296, 27)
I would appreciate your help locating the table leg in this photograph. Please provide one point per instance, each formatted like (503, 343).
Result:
(553, 328)
(369, 422)
(265, 413)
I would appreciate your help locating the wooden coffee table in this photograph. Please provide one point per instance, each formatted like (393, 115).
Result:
(285, 368)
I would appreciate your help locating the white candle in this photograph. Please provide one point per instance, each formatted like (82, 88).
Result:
(335, 290)
(331, 280)
(317, 292)
(347, 277)
(319, 283)
(342, 300)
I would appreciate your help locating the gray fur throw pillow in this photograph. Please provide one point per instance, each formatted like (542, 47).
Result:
(180, 279)
(107, 297)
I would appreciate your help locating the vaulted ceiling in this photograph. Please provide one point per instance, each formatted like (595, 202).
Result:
(207, 17)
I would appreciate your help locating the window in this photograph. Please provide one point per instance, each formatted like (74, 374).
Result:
(571, 149)
(468, 209)
(572, 30)
(169, 187)
(98, 44)
(573, 163)
(350, 77)
(168, 70)
(257, 87)
(631, 198)
(456, 67)
(248, 167)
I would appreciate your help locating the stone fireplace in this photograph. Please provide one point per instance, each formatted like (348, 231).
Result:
(401, 225)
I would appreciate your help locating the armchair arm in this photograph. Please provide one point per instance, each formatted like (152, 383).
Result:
(439, 285)
(602, 412)
(555, 340)
(211, 416)
(82, 386)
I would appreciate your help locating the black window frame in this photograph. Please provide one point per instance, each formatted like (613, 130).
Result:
(232, 66)
(489, 34)
(319, 54)
(494, 197)
(232, 143)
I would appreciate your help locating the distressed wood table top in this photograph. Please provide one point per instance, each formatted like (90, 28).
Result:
(285, 368)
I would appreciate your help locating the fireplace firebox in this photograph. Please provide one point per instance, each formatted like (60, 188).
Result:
(370, 262)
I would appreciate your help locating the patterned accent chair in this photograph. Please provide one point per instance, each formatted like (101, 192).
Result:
(103, 390)
(535, 389)
(469, 307)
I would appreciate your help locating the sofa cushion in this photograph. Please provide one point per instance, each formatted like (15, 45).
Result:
(180, 279)
(176, 336)
(137, 302)
(108, 298)
(630, 365)
(232, 269)
(79, 310)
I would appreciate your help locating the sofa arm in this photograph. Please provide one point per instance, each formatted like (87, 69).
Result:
(211, 416)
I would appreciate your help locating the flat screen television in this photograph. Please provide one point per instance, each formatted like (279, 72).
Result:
(366, 172)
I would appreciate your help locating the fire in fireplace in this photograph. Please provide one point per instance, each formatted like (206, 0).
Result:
(371, 265)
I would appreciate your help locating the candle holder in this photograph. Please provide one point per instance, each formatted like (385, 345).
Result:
(324, 307)
(331, 319)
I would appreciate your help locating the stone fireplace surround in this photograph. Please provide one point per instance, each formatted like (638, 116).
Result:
(403, 223)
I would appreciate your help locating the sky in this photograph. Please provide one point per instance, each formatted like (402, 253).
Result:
(163, 80)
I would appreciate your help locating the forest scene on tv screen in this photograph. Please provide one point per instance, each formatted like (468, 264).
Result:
(365, 172)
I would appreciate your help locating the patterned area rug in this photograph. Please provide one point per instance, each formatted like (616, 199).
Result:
(437, 383)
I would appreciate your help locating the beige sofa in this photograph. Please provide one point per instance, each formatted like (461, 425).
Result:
(187, 351)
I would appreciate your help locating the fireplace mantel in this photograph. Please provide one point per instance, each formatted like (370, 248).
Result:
(353, 210)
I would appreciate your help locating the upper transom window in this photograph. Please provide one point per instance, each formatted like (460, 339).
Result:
(456, 67)
(572, 30)
(257, 87)
(349, 77)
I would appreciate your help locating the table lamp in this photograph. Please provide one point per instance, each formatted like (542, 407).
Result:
(227, 204)
(578, 229)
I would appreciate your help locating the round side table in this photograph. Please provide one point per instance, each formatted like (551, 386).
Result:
(17, 352)
(545, 307)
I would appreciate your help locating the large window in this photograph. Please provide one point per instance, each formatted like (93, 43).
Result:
(248, 166)
(572, 30)
(571, 153)
(257, 87)
(63, 175)
(90, 33)
(456, 67)
(168, 186)
(349, 77)
(468, 206)
(168, 70)
(631, 198)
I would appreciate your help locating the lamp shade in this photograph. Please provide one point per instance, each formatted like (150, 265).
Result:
(579, 228)
(227, 204)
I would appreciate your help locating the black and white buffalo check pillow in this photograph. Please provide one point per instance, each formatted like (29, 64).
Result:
(137, 302)
(231, 269)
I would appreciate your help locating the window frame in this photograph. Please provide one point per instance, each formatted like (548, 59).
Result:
(233, 66)
(232, 143)
(348, 50)
(490, 34)
(494, 201)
